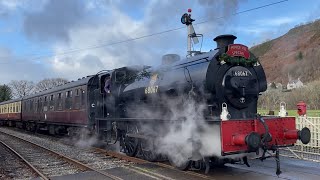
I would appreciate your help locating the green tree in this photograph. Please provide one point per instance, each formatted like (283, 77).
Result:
(5, 93)
(300, 56)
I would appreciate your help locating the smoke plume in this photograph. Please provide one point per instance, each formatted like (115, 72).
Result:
(186, 135)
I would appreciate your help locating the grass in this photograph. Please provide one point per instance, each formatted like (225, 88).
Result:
(311, 113)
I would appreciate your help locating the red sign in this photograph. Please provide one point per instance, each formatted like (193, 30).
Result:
(238, 50)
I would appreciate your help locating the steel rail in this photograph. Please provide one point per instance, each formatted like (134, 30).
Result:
(75, 162)
(141, 161)
(25, 161)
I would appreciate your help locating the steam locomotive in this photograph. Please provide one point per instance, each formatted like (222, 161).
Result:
(196, 111)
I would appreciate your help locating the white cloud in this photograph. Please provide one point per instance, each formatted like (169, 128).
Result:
(106, 57)
(14, 68)
(277, 21)
(314, 14)
(105, 22)
(11, 4)
(261, 30)
(251, 30)
(118, 26)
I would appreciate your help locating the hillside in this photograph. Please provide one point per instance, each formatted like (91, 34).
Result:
(293, 55)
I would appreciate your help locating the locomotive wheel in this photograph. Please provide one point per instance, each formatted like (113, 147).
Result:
(147, 151)
(131, 144)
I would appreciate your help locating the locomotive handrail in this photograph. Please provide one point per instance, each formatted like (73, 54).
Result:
(266, 134)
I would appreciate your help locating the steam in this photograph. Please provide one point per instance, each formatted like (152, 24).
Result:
(190, 139)
(83, 139)
(86, 142)
(187, 136)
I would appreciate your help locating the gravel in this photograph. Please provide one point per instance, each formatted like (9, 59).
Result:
(46, 162)
(83, 154)
(12, 167)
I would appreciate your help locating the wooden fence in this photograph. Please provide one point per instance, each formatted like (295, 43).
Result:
(309, 151)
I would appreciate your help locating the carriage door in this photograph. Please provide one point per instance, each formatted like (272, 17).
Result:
(92, 101)
(106, 95)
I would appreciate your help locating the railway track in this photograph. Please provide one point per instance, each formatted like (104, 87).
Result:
(33, 168)
(125, 167)
(12, 167)
(141, 161)
(45, 162)
(133, 165)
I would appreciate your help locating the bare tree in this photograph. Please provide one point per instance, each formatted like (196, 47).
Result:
(21, 88)
(309, 93)
(50, 83)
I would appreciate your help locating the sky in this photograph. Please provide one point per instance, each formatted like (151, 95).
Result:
(75, 38)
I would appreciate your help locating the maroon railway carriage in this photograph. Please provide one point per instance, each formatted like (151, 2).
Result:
(58, 109)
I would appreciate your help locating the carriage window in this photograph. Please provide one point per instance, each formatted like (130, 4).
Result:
(77, 92)
(59, 102)
(83, 97)
(69, 94)
(68, 100)
(77, 99)
(41, 105)
(51, 97)
(36, 105)
(45, 99)
(31, 105)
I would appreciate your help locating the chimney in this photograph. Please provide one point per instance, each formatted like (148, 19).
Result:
(223, 41)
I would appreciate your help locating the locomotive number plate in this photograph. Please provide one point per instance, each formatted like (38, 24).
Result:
(241, 73)
(151, 89)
